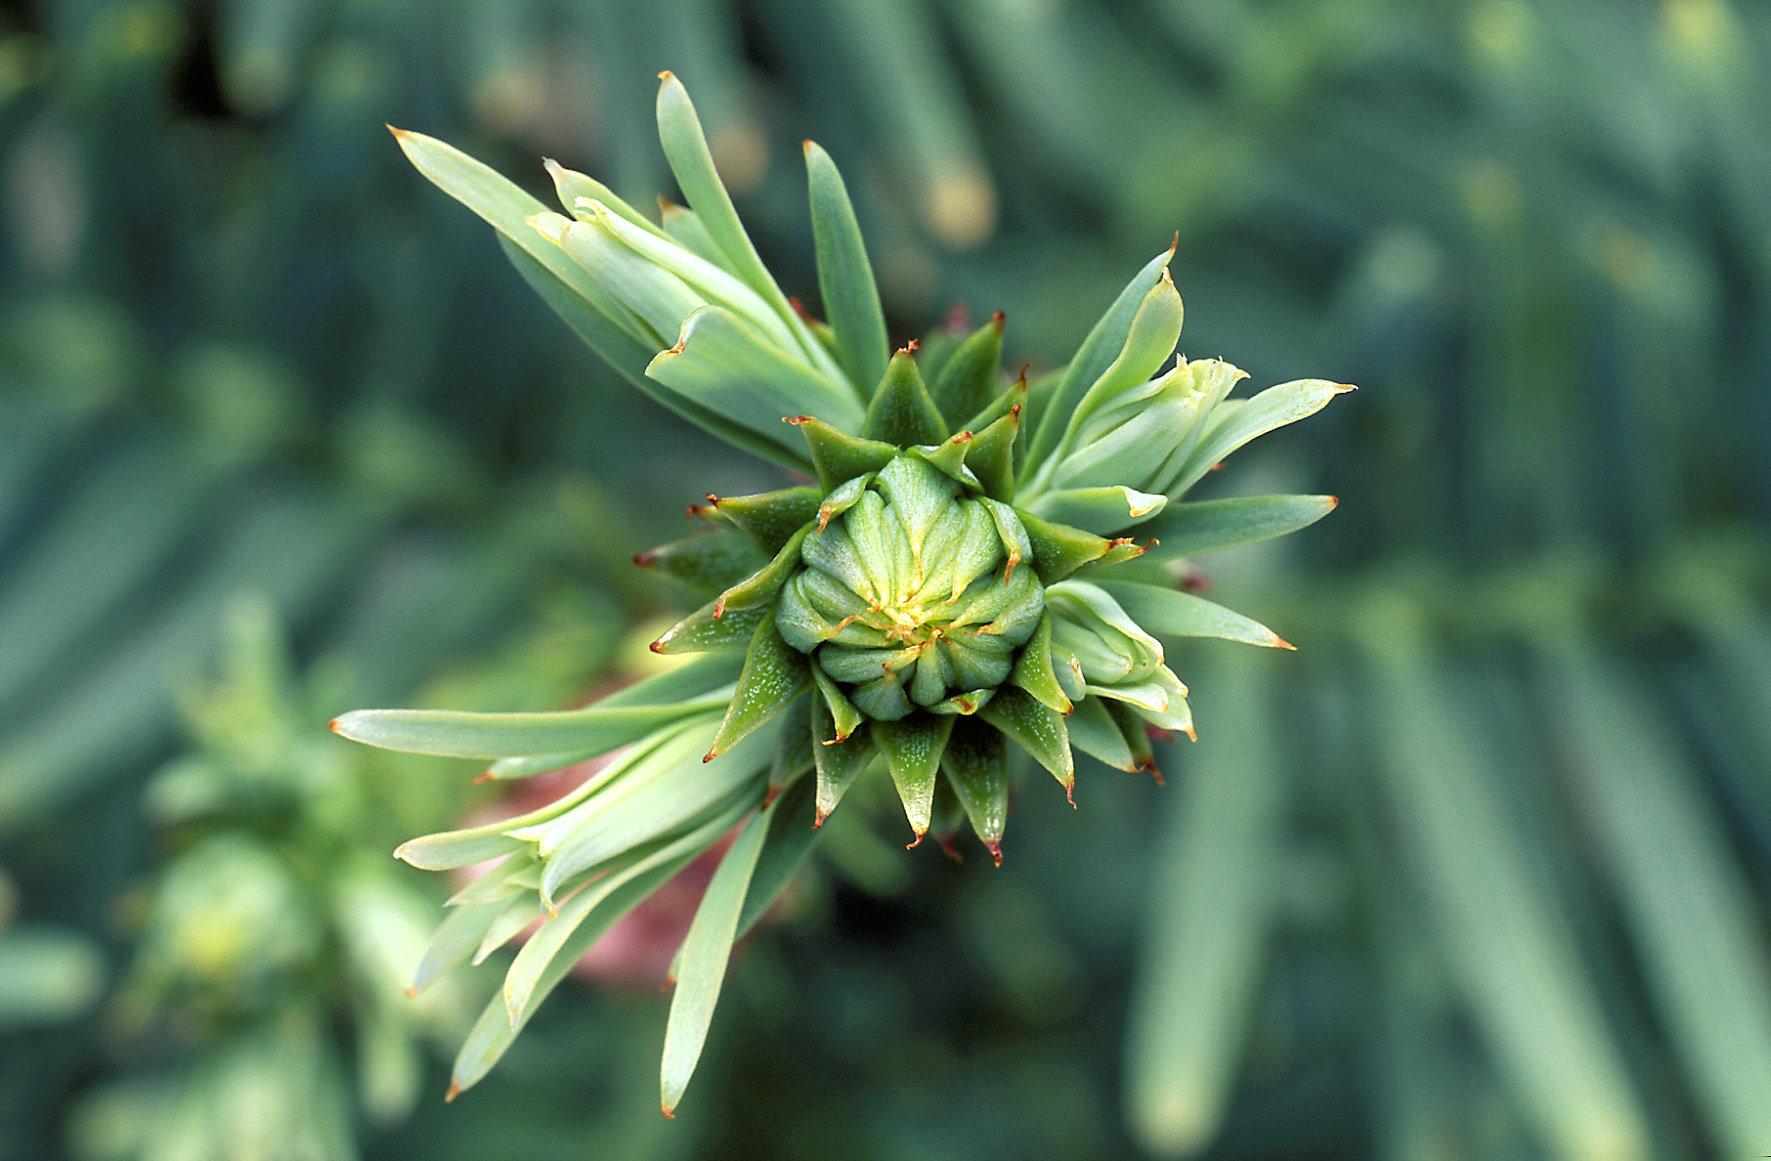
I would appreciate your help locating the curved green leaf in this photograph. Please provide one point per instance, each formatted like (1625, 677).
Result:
(456, 734)
(1170, 612)
(722, 364)
(770, 518)
(620, 347)
(1093, 730)
(841, 457)
(1273, 408)
(1097, 352)
(1033, 670)
(685, 148)
(1202, 526)
(703, 958)
(845, 277)
(1102, 511)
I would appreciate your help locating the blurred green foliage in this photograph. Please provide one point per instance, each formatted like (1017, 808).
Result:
(1484, 871)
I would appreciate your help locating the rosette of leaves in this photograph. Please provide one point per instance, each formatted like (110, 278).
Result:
(972, 570)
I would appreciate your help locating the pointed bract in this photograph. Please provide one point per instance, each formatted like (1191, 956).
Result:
(774, 675)
(706, 564)
(975, 762)
(991, 456)
(1036, 728)
(771, 518)
(971, 378)
(901, 412)
(1033, 669)
(912, 749)
(839, 457)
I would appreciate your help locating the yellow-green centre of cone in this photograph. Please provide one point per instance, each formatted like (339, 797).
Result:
(912, 593)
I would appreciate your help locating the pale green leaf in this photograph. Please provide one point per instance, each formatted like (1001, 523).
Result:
(630, 355)
(1232, 427)
(792, 834)
(1103, 511)
(1093, 357)
(704, 955)
(1198, 527)
(565, 936)
(460, 734)
(1170, 612)
(845, 277)
(1093, 731)
(721, 363)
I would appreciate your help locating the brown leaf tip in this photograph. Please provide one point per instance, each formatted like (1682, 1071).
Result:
(667, 75)
(454, 1091)
(333, 725)
(994, 846)
(997, 318)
